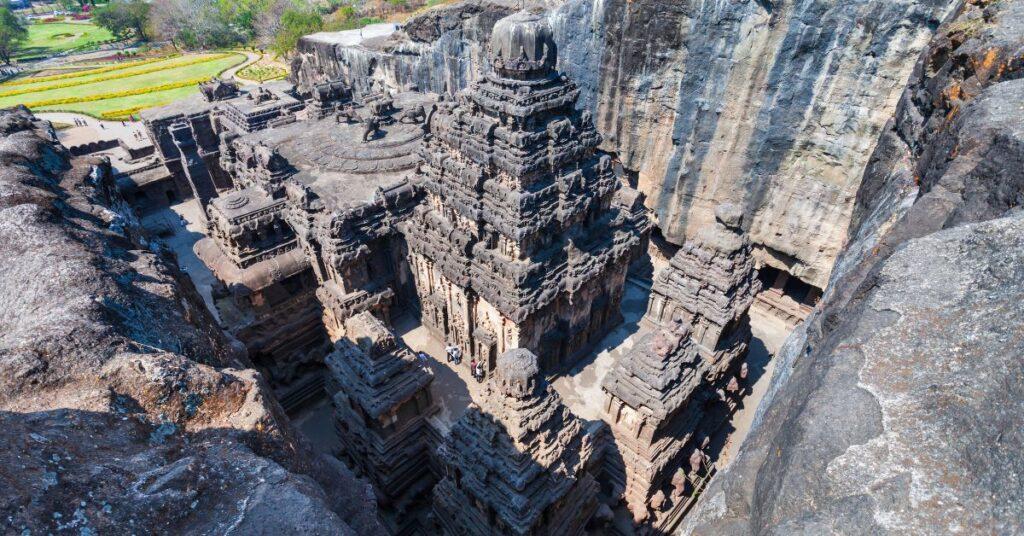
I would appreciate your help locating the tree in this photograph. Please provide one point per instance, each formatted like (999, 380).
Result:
(12, 33)
(124, 17)
(68, 5)
(242, 14)
(193, 24)
(296, 23)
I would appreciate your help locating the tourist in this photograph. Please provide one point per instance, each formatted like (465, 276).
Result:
(454, 354)
(472, 367)
(424, 361)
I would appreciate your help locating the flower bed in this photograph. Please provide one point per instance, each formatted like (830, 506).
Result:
(262, 73)
(89, 72)
(115, 94)
(122, 114)
(114, 76)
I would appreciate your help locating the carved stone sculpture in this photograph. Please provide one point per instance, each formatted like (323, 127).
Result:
(520, 463)
(526, 235)
(371, 128)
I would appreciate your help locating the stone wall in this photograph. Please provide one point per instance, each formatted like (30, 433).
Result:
(897, 407)
(774, 105)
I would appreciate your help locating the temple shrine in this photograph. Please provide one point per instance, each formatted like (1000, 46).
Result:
(681, 381)
(525, 234)
(519, 463)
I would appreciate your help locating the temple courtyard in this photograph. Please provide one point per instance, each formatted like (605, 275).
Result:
(178, 228)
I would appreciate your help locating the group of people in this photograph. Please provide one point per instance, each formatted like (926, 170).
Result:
(453, 354)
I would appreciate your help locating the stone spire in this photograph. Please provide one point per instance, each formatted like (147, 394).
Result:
(381, 400)
(523, 466)
(663, 393)
(522, 216)
(522, 47)
(654, 400)
(710, 284)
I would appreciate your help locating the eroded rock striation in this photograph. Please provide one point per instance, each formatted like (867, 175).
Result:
(766, 104)
(897, 407)
(123, 408)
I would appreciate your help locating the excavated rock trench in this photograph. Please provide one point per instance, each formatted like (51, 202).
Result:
(896, 408)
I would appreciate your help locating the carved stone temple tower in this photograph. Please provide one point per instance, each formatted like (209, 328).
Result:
(710, 283)
(678, 384)
(520, 463)
(382, 399)
(526, 234)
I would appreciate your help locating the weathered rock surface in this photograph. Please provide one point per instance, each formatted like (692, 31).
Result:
(123, 408)
(773, 105)
(899, 407)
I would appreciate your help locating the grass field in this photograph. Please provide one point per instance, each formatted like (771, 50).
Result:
(172, 71)
(45, 39)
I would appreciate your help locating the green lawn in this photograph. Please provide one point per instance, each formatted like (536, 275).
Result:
(149, 100)
(159, 98)
(167, 65)
(45, 39)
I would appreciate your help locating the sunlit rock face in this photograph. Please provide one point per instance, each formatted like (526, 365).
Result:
(884, 400)
(772, 105)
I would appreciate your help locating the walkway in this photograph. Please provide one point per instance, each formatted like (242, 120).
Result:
(179, 228)
(251, 58)
(95, 129)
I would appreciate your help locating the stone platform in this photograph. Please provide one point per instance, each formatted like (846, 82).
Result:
(330, 157)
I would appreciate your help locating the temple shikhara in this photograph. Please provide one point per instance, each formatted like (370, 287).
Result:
(520, 462)
(668, 394)
(525, 234)
(429, 271)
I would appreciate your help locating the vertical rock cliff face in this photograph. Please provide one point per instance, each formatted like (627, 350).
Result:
(123, 408)
(899, 406)
(773, 105)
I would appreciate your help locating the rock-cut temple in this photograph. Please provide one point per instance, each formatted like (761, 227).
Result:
(525, 234)
(332, 207)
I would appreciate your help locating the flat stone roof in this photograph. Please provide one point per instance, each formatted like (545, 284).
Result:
(279, 89)
(189, 105)
(242, 202)
(197, 103)
(332, 159)
(350, 38)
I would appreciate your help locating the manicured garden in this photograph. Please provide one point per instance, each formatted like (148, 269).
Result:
(115, 92)
(262, 72)
(46, 39)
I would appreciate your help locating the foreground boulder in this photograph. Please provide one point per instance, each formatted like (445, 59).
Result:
(123, 408)
(899, 407)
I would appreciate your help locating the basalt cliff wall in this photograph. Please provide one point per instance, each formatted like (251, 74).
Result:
(772, 104)
(123, 407)
(898, 408)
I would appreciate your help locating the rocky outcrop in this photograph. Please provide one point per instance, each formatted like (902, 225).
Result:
(772, 105)
(123, 408)
(898, 407)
